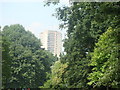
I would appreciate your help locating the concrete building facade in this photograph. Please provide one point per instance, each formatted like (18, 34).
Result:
(52, 41)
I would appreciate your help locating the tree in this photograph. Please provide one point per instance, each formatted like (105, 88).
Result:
(56, 78)
(0, 58)
(105, 60)
(29, 63)
(6, 61)
(85, 22)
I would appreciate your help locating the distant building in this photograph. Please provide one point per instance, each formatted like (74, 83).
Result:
(52, 41)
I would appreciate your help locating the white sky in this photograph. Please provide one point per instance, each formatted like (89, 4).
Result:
(31, 14)
(62, 1)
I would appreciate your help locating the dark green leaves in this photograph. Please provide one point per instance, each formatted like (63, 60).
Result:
(23, 59)
(85, 23)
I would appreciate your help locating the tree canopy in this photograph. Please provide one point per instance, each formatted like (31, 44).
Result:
(28, 63)
(85, 23)
(105, 60)
(91, 59)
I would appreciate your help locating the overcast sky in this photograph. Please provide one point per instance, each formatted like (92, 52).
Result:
(31, 14)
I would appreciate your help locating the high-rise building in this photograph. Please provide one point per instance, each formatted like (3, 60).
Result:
(52, 41)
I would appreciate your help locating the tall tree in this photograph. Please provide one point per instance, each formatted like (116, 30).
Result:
(85, 22)
(106, 60)
(29, 63)
(6, 62)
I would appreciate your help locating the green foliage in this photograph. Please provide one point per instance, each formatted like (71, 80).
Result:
(56, 81)
(29, 63)
(105, 60)
(6, 62)
(0, 58)
(85, 22)
(78, 68)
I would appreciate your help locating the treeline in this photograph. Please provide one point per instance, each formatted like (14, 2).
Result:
(24, 63)
(92, 47)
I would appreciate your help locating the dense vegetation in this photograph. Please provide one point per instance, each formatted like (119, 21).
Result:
(24, 63)
(91, 58)
(92, 47)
